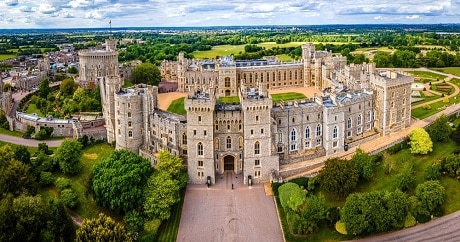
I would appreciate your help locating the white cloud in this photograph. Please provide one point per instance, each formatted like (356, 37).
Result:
(46, 9)
(94, 15)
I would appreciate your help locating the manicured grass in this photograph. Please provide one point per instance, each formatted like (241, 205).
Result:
(285, 58)
(177, 106)
(449, 70)
(169, 229)
(426, 99)
(422, 113)
(11, 133)
(219, 50)
(6, 57)
(287, 96)
(32, 108)
(127, 84)
(229, 100)
(427, 74)
(269, 45)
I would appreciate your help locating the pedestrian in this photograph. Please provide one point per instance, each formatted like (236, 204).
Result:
(232, 186)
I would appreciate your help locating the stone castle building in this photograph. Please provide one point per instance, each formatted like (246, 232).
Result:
(254, 136)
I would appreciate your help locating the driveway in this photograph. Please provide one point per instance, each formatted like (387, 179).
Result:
(29, 142)
(220, 213)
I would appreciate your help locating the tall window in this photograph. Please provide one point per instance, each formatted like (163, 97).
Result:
(349, 123)
(200, 148)
(359, 120)
(200, 163)
(216, 143)
(334, 133)
(307, 133)
(229, 142)
(318, 130)
(257, 148)
(369, 116)
(129, 115)
(293, 134)
(130, 134)
(227, 82)
(184, 138)
(129, 124)
(280, 136)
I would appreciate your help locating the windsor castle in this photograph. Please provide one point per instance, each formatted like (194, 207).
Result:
(254, 135)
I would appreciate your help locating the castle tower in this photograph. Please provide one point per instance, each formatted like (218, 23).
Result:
(308, 51)
(109, 85)
(111, 45)
(259, 161)
(200, 106)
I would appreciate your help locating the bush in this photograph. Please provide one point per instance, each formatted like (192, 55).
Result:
(405, 179)
(332, 215)
(134, 221)
(44, 133)
(395, 148)
(275, 187)
(69, 198)
(291, 196)
(46, 178)
(301, 181)
(62, 184)
(312, 182)
(340, 227)
(152, 226)
(433, 172)
(410, 221)
(451, 165)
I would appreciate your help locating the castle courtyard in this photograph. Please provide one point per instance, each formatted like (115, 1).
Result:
(220, 213)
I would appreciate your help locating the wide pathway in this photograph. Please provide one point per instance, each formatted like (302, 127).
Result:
(29, 142)
(220, 213)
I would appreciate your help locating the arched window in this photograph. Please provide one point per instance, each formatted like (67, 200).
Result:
(334, 133)
(240, 142)
(293, 134)
(369, 116)
(129, 124)
(349, 123)
(184, 138)
(307, 133)
(129, 115)
(200, 148)
(280, 136)
(229, 142)
(216, 143)
(359, 119)
(257, 148)
(318, 130)
(130, 134)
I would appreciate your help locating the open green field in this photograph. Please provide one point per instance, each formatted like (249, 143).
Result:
(32, 108)
(287, 96)
(388, 182)
(426, 99)
(6, 57)
(436, 107)
(229, 100)
(177, 106)
(285, 58)
(427, 74)
(11, 133)
(449, 70)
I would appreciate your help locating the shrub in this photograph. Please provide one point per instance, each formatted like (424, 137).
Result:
(340, 227)
(405, 179)
(275, 187)
(410, 221)
(433, 172)
(69, 198)
(62, 184)
(301, 181)
(46, 178)
(291, 196)
(152, 226)
(134, 221)
(451, 165)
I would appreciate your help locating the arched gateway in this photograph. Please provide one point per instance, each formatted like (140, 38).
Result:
(229, 163)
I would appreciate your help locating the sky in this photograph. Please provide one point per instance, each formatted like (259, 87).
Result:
(172, 13)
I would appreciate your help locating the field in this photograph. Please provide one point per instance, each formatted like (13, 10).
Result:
(287, 96)
(11, 133)
(32, 108)
(6, 57)
(427, 74)
(450, 70)
(382, 181)
(177, 106)
(436, 107)
(229, 100)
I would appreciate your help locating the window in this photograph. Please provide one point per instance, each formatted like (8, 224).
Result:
(252, 131)
(369, 116)
(240, 143)
(205, 133)
(130, 134)
(199, 118)
(200, 148)
(257, 148)
(318, 142)
(194, 132)
(280, 136)
(261, 131)
(184, 138)
(216, 141)
(335, 118)
(119, 131)
(129, 114)
(293, 134)
(201, 174)
(307, 133)
(349, 134)
(359, 120)
(227, 82)
(217, 127)
(334, 133)
(257, 162)
(257, 174)
(349, 123)
(200, 163)
(229, 142)
(293, 147)
(129, 105)
(334, 144)
(359, 130)
(279, 121)
(318, 130)
(257, 118)
(280, 149)
(307, 144)
(293, 119)
(118, 122)
(129, 124)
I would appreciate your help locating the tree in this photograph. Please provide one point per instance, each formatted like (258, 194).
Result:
(364, 164)
(68, 156)
(119, 180)
(161, 193)
(146, 73)
(59, 224)
(79, 94)
(312, 213)
(433, 172)
(72, 70)
(440, 130)
(69, 198)
(291, 196)
(44, 89)
(431, 195)
(22, 154)
(102, 228)
(338, 177)
(405, 179)
(16, 179)
(29, 215)
(169, 163)
(451, 165)
(67, 86)
(420, 142)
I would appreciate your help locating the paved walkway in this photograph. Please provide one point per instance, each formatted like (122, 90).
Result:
(220, 213)
(29, 142)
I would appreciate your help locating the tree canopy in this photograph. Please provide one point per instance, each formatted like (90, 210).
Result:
(146, 73)
(67, 86)
(68, 156)
(119, 180)
(102, 228)
(420, 142)
(291, 196)
(161, 193)
(338, 177)
(440, 130)
(431, 195)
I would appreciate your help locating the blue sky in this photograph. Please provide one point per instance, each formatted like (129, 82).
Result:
(145, 13)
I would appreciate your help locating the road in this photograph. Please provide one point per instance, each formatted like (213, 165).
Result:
(29, 142)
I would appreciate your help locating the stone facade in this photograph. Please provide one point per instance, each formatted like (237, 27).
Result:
(253, 136)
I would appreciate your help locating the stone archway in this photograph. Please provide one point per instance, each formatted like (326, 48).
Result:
(227, 93)
(229, 163)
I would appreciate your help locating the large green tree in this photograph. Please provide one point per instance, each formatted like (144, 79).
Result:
(440, 130)
(291, 196)
(146, 73)
(68, 155)
(16, 178)
(420, 142)
(161, 193)
(67, 87)
(44, 89)
(338, 177)
(102, 228)
(431, 195)
(119, 181)
(22, 154)
(364, 164)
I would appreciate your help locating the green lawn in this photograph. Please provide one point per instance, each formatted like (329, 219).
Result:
(427, 74)
(285, 58)
(32, 108)
(177, 106)
(229, 100)
(426, 99)
(287, 96)
(168, 230)
(436, 107)
(11, 133)
(6, 57)
(449, 70)
(32, 150)
(382, 181)
(127, 84)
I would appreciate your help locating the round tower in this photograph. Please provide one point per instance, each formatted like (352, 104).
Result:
(129, 119)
